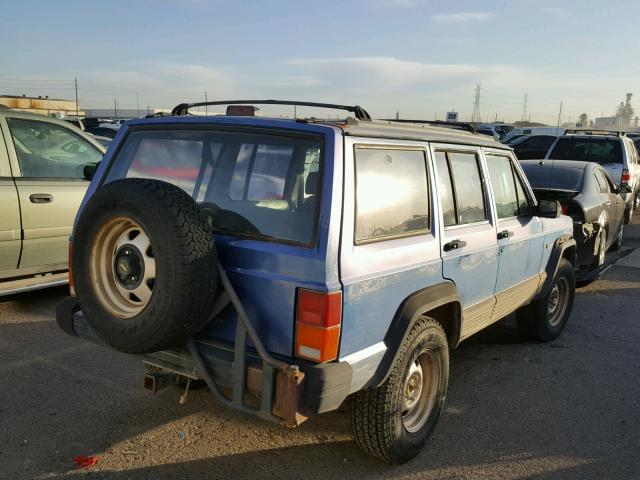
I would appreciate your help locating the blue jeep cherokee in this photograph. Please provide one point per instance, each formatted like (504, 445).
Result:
(294, 263)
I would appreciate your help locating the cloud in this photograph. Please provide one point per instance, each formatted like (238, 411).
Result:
(157, 83)
(388, 70)
(385, 83)
(298, 81)
(558, 12)
(462, 17)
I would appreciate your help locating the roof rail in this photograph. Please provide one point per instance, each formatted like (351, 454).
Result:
(468, 127)
(359, 112)
(617, 133)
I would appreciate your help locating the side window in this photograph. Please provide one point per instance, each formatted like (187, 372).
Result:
(541, 141)
(269, 172)
(524, 207)
(466, 187)
(445, 189)
(633, 157)
(48, 150)
(392, 193)
(602, 181)
(508, 189)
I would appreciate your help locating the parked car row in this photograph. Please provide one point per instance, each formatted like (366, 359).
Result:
(342, 291)
(596, 176)
(589, 196)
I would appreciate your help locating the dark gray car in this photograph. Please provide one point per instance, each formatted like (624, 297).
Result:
(589, 196)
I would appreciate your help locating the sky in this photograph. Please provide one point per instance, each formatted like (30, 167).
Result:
(419, 57)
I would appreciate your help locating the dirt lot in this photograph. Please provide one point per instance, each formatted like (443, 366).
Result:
(568, 409)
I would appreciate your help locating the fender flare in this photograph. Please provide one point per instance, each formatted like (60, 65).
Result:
(414, 306)
(560, 246)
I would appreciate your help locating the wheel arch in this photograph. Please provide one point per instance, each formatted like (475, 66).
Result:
(440, 301)
(565, 246)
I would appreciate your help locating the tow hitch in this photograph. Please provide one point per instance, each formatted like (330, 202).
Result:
(278, 384)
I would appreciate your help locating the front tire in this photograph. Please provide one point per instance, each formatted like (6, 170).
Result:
(545, 318)
(393, 421)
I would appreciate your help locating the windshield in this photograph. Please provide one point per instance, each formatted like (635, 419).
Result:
(599, 150)
(250, 184)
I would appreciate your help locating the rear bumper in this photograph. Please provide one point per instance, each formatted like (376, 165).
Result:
(324, 386)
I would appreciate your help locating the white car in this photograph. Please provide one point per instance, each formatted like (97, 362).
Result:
(519, 132)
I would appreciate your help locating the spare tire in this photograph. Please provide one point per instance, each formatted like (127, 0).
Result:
(144, 265)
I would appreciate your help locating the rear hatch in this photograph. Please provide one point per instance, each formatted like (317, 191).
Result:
(261, 188)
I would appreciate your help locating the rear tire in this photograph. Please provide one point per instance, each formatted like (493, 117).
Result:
(144, 264)
(628, 213)
(545, 318)
(393, 421)
(617, 245)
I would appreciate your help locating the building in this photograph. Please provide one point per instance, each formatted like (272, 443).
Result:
(43, 105)
(608, 122)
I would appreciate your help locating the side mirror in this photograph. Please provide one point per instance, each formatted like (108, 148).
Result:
(549, 209)
(624, 188)
(89, 171)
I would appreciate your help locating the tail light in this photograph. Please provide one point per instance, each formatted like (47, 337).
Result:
(318, 322)
(72, 290)
(625, 176)
(565, 208)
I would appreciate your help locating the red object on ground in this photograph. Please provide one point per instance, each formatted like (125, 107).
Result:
(84, 462)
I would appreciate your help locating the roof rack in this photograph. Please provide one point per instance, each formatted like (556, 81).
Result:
(617, 133)
(468, 127)
(359, 112)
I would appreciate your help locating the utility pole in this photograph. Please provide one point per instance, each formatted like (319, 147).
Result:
(524, 107)
(475, 116)
(138, 103)
(295, 111)
(206, 107)
(559, 116)
(115, 108)
(77, 107)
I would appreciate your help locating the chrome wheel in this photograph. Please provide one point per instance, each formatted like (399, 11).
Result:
(557, 303)
(420, 390)
(123, 267)
(602, 250)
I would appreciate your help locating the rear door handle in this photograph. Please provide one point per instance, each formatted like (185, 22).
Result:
(504, 234)
(454, 245)
(41, 198)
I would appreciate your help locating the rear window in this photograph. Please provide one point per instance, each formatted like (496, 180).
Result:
(250, 184)
(599, 150)
(551, 177)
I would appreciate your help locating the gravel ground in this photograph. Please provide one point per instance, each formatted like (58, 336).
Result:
(567, 409)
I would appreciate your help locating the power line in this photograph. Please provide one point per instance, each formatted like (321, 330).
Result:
(475, 116)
